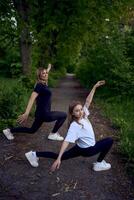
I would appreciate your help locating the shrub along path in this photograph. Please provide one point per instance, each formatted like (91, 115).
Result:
(75, 179)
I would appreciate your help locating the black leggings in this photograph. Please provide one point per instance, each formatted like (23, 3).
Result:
(57, 116)
(102, 147)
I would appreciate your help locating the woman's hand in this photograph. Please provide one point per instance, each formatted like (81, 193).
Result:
(22, 118)
(49, 67)
(56, 165)
(99, 83)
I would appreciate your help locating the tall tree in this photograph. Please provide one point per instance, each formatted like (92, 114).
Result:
(23, 9)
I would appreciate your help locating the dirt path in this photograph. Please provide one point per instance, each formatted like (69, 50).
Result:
(75, 180)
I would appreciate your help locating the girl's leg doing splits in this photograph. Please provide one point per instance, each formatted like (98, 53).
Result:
(71, 153)
(103, 146)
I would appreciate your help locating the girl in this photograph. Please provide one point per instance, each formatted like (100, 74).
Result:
(81, 132)
(43, 113)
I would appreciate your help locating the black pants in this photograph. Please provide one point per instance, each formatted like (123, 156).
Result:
(57, 116)
(102, 147)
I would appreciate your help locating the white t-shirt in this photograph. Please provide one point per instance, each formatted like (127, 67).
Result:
(83, 134)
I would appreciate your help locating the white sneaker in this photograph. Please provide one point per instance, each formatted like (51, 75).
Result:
(100, 166)
(55, 136)
(32, 158)
(8, 134)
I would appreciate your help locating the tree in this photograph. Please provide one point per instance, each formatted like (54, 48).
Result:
(23, 9)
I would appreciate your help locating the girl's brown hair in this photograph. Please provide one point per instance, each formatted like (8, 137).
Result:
(71, 117)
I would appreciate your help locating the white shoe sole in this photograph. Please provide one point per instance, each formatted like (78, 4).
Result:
(9, 137)
(31, 163)
(55, 139)
(98, 170)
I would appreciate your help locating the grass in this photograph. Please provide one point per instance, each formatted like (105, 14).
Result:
(121, 112)
(7, 82)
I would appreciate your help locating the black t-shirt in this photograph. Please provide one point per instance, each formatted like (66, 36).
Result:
(43, 100)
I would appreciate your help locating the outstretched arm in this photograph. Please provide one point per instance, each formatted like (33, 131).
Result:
(57, 162)
(91, 94)
(22, 118)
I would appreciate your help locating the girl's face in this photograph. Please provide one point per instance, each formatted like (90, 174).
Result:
(44, 75)
(78, 111)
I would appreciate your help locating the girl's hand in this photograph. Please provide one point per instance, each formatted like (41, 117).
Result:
(56, 165)
(22, 118)
(99, 83)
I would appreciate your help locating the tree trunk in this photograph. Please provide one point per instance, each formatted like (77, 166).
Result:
(22, 8)
(25, 47)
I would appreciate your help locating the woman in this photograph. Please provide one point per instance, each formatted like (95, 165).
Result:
(43, 113)
(81, 132)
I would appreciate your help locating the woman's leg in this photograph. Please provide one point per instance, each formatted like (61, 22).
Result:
(103, 146)
(71, 153)
(57, 116)
(35, 126)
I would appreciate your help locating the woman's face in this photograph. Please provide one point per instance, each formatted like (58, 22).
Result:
(44, 75)
(78, 111)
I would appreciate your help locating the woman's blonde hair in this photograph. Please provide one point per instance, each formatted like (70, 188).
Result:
(71, 117)
(38, 73)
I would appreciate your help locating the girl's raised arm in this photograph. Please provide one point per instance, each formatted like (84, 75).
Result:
(91, 94)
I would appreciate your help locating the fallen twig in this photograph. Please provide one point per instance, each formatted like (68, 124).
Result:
(56, 194)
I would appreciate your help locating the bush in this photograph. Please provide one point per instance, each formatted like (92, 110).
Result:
(110, 59)
(70, 69)
(15, 69)
(12, 102)
(54, 77)
(121, 112)
(27, 81)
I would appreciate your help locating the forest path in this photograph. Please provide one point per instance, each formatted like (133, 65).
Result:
(75, 180)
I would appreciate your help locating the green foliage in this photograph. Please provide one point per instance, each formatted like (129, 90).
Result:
(108, 54)
(70, 68)
(15, 69)
(12, 101)
(121, 112)
(59, 33)
(9, 46)
(27, 81)
(10, 62)
(129, 41)
(55, 76)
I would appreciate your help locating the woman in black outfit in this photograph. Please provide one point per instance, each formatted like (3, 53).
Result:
(43, 113)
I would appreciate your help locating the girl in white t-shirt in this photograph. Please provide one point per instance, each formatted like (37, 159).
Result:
(80, 132)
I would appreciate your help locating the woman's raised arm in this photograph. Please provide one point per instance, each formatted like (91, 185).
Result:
(49, 67)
